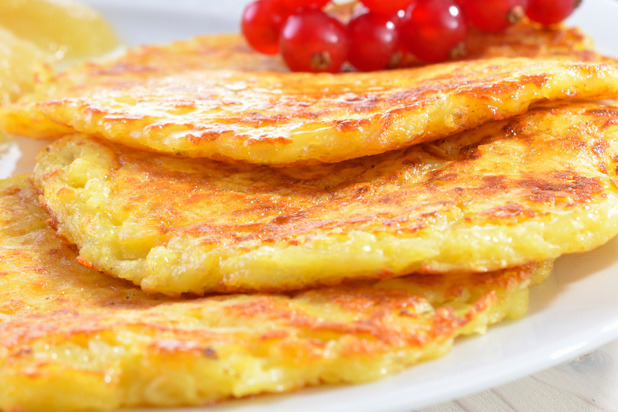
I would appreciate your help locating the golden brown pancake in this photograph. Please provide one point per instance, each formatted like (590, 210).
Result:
(505, 194)
(300, 118)
(231, 52)
(74, 339)
(529, 39)
(66, 29)
(305, 119)
(34, 34)
(23, 64)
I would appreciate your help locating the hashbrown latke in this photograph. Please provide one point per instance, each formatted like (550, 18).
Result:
(305, 118)
(525, 189)
(74, 339)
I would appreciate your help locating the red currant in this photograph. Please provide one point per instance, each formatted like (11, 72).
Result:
(432, 29)
(550, 11)
(302, 4)
(261, 25)
(494, 15)
(373, 41)
(313, 41)
(386, 7)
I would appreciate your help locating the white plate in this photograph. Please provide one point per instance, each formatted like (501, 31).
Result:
(574, 312)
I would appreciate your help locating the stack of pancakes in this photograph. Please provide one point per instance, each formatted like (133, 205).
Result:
(206, 225)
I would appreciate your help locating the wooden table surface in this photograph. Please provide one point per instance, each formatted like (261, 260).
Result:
(587, 383)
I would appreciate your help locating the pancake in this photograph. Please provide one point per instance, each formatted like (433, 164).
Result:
(529, 39)
(303, 118)
(231, 52)
(74, 339)
(505, 194)
(65, 29)
(23, 64)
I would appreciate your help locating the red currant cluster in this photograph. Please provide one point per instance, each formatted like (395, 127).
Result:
(310, 39)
